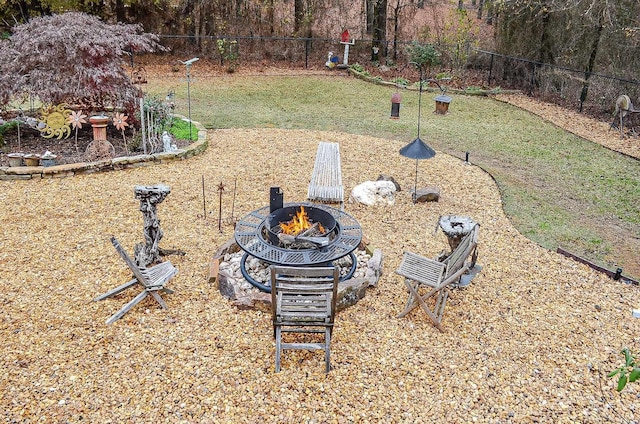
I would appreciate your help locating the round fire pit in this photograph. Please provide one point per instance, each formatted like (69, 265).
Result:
(315, 215)
(343, 240)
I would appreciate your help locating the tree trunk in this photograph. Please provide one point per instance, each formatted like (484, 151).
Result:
(490, 12)
(270, 16)
(545, 51)
(303, 17)
(591, 64)
(480, 7)
(380, 25)
(396, 20)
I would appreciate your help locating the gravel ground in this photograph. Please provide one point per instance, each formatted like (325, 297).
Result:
(529, 340)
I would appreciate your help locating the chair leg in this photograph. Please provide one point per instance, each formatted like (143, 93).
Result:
(415, 296)
(126, 307)
(411, 301)
(158, 299)
(327, 348)
(434, 318)
(117, 290)
(278, 347)
(441, 302)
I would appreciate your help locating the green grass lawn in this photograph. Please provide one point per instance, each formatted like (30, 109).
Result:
(558, 189)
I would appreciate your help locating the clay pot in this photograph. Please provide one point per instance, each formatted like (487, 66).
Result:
(15, 159)
(32, 160)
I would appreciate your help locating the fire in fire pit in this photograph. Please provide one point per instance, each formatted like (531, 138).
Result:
(300, 223)
(300, 227)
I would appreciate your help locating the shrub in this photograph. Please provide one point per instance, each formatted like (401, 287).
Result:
(4, 128)
(627, 373)
(423, 54)
(357, 67)
(72, 58)
(228, 50)
(403, 82)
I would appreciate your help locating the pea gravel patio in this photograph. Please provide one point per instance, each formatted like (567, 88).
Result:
(529, 340)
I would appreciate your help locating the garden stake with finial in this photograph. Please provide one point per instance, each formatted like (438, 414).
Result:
(204, 201)
(220, 190)
(120, 122)
(233, 202)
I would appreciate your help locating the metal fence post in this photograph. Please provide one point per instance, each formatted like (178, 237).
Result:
(532, 81)
(490, 69)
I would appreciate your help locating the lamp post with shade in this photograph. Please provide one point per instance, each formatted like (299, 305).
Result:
(418, 149)
(188, 63)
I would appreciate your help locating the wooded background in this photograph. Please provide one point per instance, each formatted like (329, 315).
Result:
(566, 47)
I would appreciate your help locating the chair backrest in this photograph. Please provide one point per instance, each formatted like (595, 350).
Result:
(134, 268)
(304, 295)
(458, 257)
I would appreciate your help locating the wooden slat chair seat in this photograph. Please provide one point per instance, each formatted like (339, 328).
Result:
(303, 300)
(419, 271)
(326, 178)
(152, 279)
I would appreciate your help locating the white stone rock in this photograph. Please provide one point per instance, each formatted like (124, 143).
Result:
(372, 193)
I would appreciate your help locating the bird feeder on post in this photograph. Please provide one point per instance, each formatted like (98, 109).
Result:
(442, 104)
(345, 40)
(395, 105)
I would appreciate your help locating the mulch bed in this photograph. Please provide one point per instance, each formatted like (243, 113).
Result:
(72, 149)
(529, 340)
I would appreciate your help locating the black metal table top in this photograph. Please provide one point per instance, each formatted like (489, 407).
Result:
(248, 236)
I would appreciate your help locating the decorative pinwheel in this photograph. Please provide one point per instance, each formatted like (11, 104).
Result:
(76, 119)
(120, 121)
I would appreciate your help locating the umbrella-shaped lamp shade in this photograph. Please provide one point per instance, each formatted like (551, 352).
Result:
(417, 149)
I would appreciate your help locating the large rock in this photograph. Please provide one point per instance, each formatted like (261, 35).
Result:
(372, 193)
(226, 275)
(383, 177)
(427, 194)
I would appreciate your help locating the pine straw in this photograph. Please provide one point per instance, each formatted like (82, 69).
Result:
(529, 340)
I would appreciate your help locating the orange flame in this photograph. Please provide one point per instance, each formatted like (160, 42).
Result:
(298, 223)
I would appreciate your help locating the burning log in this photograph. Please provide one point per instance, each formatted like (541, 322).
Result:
(310, 238)
(300, 224)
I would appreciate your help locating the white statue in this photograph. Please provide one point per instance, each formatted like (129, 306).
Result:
(166, 142)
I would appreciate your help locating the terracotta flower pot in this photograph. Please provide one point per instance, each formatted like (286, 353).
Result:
(32, 160)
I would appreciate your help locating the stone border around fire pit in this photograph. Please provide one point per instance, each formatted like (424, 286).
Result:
(124, 162)
(349, 291)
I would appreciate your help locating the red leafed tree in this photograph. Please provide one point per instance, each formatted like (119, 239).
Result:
(74, 58)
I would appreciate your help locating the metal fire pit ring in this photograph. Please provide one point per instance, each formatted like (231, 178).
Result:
(248, 237)
(267, 289)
